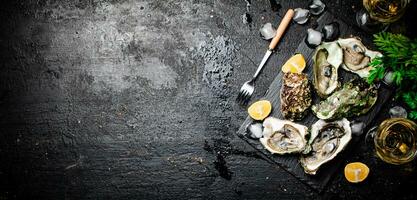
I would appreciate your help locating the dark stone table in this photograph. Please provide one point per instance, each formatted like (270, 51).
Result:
(135, 100)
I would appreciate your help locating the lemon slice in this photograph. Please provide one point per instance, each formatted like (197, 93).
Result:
(356, 172)
(295, 64)
(260, 109)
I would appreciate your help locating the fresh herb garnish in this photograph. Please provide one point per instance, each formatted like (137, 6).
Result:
(400, 57)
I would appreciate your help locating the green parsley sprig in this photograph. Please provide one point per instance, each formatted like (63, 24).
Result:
(400, 57)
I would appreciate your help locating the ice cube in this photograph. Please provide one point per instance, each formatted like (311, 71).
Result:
(397, 112)
(357, 127)
(316, 7)
(313, 37)
(301, 15)
(331, 31)
(255, 130)
(267, 31)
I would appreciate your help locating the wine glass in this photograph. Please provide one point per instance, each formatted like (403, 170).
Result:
(378, 14)
(395, 140)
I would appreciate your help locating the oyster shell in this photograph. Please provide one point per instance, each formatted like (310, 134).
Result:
(327, 59)
(283, 136)
(327, 140)
(356, 57)
(295, 96)
(356, 97)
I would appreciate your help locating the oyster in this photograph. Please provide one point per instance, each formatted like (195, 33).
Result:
(283, 136)
(326, 141)
(356, 57)
(356, 97)
(295, 96)
(327, 59)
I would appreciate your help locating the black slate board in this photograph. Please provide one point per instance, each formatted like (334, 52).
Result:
(291, 162)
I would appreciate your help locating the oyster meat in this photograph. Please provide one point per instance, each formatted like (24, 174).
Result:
(356, 97)
(295, 96)
(283, 136)
(327, 59)
(356, 57)
(327, 140)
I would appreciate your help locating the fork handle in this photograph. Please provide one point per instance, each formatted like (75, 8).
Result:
(281, 28)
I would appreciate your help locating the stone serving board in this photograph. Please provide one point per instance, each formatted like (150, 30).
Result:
(290, 163)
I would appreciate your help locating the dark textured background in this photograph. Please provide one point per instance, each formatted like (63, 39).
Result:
(135, 100)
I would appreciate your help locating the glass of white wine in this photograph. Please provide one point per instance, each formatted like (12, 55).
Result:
(378, 14)
(395, 141)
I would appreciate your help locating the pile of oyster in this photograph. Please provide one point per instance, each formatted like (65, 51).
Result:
(332, 132)
(322, 144)
(350, 54)
(355, 97)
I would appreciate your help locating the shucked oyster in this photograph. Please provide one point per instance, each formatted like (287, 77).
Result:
(356, 97)
(327, 59)
(356, 57)
(295, 96)
(349, 53)
(283, 136)
(326, 141)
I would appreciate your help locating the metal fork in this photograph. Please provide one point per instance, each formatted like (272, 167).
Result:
(248, 87)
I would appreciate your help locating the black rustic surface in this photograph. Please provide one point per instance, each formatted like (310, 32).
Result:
(135, 100)
(291, 162)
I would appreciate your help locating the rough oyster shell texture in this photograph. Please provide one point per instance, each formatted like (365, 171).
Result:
(356, 97)
(327, 59)
(327, 140)
(283, 136)
(295, 96)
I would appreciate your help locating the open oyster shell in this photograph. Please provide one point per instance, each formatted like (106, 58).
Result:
(295, 96)
(283, 136)
(327, 59)
(327, 140)
(356, 97)
(356, 57)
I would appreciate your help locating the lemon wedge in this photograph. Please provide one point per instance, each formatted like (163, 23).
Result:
(295, 64)
(260, 109)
